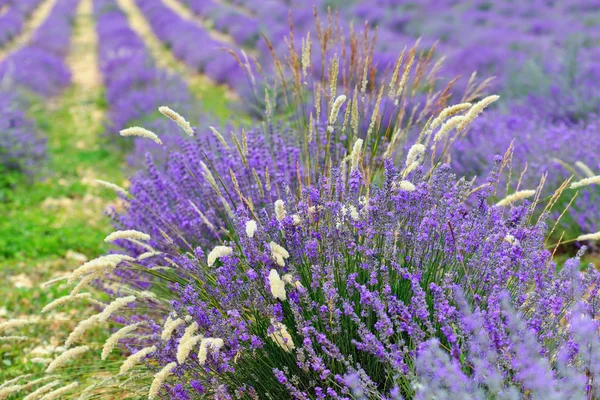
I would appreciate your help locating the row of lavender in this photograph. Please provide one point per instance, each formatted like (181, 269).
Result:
(135, 87)
(522, 45)
(38, 68)
(191, 43)
(12, 21)
(245, 30)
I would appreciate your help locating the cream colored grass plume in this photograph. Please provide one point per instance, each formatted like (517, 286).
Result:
(141, 132)
(594, 180)
(112, 187)
(520, 195)
(178, 119)
(127, 234)
(589, 236)
(65, 357)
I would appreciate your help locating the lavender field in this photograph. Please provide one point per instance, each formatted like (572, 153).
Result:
(286, 199)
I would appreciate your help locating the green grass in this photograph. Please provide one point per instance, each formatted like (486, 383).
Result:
(60, 212)
(35, 235)
(33, 230)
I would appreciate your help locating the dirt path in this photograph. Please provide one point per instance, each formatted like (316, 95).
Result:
(83, 57)
(35, 19)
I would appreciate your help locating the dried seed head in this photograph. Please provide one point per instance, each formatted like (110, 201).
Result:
(476, 109)
(185, 347)
(203, 217)
(279, 253)
(14, 338)
(141, 132)
(65, 357)
(136, 358)
(282, 337)
(218, 252)
(251, 228)
(148, 254)
(415, 154)
(127, 234)
(306, 54)
(280, 212)
(187, 342)
(213, 344)
(448, 112)
(277, 285)
(114, 306)
(511, 239)
(210, 178)
(356, 154)
(335, 110)
(219, 137)
(64, 300)
(452, 123)
(112, 341)
(406, 186)
(179, 120)
(113, 187)
(589, 236)
(354, 213)
(14, 324)
(103, 263)
(80, 329)
(520, 195)
(585, 169)
(396, 73)
(159, 379)
(585, 182)
(58, 393)
(37, 394)
(170, 326)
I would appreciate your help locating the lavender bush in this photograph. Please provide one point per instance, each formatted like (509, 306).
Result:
(328, 251)
(407, 286)
(278, 153)
(182, 36)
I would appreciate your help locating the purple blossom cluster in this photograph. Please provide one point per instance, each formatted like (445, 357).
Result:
(39, 66)
(298, 268)
(264, 161)
(13, 18)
